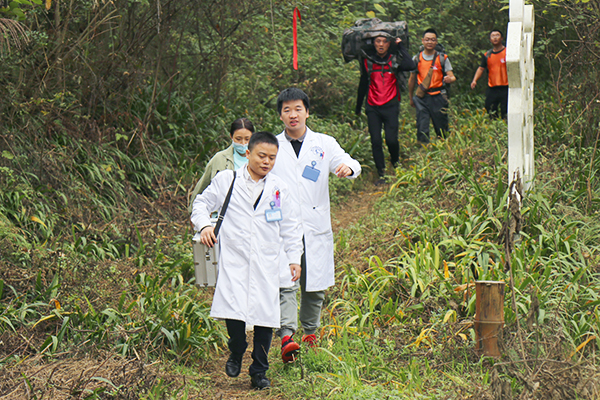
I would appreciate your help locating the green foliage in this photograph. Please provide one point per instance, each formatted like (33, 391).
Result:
(112, 109)
(362, 367)
(17, 8)
(158, 316)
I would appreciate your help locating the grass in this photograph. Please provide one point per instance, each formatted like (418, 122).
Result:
(100, 277)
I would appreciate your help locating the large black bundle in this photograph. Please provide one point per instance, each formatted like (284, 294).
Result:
(364, 31)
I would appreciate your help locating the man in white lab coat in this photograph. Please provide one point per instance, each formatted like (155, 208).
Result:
(261, 214)
(304, 162)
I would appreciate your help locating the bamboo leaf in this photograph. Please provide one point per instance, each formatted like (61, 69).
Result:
(450, 316)
(39, 221)
(380, 9)
(582, 345)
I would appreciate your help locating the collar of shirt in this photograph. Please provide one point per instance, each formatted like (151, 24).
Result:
(428, 57)
(255, 188)
(382, 60)
(300, 139)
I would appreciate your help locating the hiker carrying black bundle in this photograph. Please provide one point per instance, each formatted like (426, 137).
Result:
(432, 73)
(381, 67)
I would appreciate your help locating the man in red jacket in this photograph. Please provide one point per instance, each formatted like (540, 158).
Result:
(380, 68)
(494, 61)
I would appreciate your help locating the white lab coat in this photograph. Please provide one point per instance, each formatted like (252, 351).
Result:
(248, 286)
(313, 200)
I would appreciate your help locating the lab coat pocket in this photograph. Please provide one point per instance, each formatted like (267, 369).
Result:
(319, 260)
(319, 246)
(318, 220)
(269, 248)
(270, 264)
(269, 251)
(322, 242)
(234, 246)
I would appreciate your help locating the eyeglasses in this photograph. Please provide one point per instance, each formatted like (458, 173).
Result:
(430, 40)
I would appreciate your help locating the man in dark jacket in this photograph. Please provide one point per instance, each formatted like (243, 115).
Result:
(380, 68)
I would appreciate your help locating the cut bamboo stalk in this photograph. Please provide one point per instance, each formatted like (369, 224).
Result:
(489, 316)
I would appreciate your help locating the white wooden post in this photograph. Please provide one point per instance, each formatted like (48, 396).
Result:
(521, 73)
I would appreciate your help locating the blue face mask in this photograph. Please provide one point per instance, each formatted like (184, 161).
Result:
(240, 148)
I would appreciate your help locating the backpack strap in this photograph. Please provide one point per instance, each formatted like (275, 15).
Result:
(224, 208)
(370, 63)
(369, 66)
(443, 62)
(442, 57)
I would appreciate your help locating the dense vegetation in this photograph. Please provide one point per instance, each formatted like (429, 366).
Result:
(108, 114)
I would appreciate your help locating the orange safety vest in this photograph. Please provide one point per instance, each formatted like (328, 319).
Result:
(437, 78)
(496, 66)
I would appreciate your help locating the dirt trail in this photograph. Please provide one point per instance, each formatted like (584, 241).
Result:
(357, 205)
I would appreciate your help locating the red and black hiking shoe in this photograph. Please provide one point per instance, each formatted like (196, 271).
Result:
(310, 340)
(289, 349)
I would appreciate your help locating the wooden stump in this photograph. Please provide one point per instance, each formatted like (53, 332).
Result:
(489, 316)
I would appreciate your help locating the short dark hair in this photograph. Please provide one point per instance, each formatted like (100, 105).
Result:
(291, 94)
(262, 137)
(496, 30)
(431, 30)
(241, 123)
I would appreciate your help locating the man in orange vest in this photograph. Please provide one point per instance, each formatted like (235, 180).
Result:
(433, 105)
(494, 60)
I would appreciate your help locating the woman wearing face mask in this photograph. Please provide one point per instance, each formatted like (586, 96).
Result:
(233, 157)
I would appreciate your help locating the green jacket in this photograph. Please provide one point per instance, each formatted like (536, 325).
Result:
(221, 161)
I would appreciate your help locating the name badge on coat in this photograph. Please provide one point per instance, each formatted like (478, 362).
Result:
(310, 172)
(274, 214)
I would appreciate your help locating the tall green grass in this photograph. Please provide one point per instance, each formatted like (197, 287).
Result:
(438, 230)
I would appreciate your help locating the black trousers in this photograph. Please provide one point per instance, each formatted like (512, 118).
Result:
(385, 116)
(496, 99)
(262, 343)
(432, 108)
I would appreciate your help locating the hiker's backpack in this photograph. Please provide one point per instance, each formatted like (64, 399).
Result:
(360, 37)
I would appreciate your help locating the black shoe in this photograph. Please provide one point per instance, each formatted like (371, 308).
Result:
(233, 366)
(379, 182)
(260, 381)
